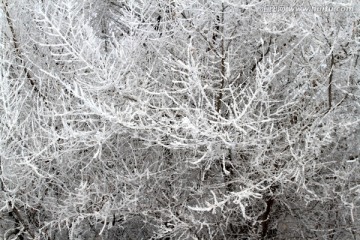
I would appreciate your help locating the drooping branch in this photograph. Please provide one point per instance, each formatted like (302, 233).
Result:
(18, 50)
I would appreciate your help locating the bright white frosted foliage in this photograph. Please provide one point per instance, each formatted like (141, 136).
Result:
(182, 120)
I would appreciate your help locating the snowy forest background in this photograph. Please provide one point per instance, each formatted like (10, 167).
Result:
(193, 119)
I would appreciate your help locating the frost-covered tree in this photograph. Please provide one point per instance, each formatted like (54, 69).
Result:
(178, 120)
